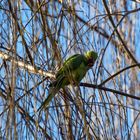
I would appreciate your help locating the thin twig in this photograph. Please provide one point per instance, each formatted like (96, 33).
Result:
(117, 73)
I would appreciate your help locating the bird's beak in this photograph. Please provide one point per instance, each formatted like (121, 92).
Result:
(90, 64)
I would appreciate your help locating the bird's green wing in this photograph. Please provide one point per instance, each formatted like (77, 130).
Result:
(71, 57)
(71, 64)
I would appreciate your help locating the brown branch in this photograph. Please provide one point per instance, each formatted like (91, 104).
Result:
(110, 90)
(26, 66)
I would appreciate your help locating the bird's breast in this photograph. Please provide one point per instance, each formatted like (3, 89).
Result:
(79, 73)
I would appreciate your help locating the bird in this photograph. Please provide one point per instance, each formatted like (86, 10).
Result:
(72, 72)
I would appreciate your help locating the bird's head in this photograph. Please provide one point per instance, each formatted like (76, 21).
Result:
(91, 57)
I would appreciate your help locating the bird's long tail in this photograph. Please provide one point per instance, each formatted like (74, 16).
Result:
(52, 93)
(57, 83)
(53, 89)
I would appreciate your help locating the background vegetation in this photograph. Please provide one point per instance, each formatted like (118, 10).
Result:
(35, 39)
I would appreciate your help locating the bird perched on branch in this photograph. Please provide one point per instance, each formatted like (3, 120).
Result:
(72, 72)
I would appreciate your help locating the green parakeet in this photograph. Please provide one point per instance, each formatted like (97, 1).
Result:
(72, 72)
